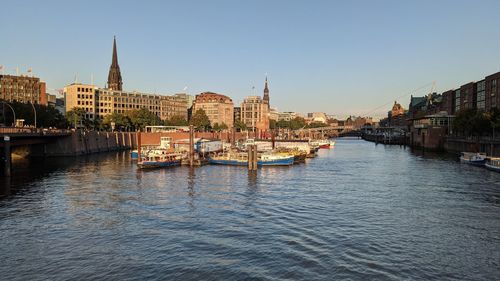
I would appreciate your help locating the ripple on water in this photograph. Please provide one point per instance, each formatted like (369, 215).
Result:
(359, 211)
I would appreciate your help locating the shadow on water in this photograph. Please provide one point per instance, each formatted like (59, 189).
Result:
(30, 170)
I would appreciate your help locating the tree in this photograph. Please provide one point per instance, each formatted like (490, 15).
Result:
(316, 124)
(297, 123)
(219, 127)
(121, 121)
(200, 120)
(240, 125)
(272, 124)
(143, 117)
(283, 124)
(75, 116)
(177, 120)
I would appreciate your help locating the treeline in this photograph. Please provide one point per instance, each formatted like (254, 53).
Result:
(295, 124)
(48, 116)
(473, 122)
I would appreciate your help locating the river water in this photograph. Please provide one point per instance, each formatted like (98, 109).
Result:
(358, 211)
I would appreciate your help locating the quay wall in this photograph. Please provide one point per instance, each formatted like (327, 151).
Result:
(86, 142)
(487, 145)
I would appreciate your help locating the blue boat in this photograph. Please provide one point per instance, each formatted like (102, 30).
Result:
(241, 159)
(134, 154)
(472, 158)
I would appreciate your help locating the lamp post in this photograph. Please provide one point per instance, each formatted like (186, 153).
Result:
(13, 112)
(34, 111)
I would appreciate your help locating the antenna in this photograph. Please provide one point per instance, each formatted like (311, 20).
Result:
(92, 79)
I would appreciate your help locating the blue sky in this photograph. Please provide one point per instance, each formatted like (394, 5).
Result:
(339, 57)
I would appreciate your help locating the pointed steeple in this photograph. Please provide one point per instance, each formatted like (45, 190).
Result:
(266, 92)
(114, 76)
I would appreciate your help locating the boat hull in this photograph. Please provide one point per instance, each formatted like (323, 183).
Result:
(158, 164)
(492, 168)
(277, 162)
(473, 162)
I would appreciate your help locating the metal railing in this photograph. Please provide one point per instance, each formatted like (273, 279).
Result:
(33, 131)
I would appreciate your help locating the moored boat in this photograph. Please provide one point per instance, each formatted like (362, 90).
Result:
(321, 143)
(493, 164)
(473, 158)
(159, 160)
(134, 154)
(241, 159)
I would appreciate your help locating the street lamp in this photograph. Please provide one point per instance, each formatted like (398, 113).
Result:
(34, 111)
(13, 112)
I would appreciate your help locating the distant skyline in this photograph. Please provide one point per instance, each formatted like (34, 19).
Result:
(338, 57)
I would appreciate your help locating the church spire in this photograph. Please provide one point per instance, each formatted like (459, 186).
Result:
(114, 76)
(266, 92)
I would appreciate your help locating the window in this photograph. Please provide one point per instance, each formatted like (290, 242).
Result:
(481, 95)
(457, 100)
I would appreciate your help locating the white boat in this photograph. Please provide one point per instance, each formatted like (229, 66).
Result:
(493, 164)
(473, 158)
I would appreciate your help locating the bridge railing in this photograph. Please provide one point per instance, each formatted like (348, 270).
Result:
(32, 131)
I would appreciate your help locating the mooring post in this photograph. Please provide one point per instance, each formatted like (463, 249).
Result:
(233, 136)
(139, 152)
(255, 157)
(191, 145)
(7, 156)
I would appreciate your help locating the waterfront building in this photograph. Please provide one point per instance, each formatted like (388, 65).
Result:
(481, 95)
(237, 114)
(188, 98)
(317, 117)
(273, 114)
(114, 75)
(255, 113)
(219, 108)
(99, 102)
(24, 89)
(288, 116)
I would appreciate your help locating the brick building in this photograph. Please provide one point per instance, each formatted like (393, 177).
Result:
(23, 89)
(219, 108)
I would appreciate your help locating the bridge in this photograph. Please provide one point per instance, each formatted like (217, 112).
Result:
(329, 131)
(59, 142)
(29, 136)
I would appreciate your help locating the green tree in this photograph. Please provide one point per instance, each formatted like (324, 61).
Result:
(177, 120)
(272, 124)
(240, 125)
(121, 121)
(200, 120)
(219, 127)
(297, 123)
(317, 124)
(283, 124)
(143, 117)
(76, 117)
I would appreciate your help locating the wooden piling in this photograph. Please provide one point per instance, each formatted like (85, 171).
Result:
(252, 157)
(139, 155)
(7, 156)
(191, 145)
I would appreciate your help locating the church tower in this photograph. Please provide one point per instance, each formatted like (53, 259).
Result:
(266, 93)
(114, 76)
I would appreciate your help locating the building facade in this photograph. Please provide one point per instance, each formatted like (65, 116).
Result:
(98, 102)
(255, 113)
(219, 108)
(22, 89)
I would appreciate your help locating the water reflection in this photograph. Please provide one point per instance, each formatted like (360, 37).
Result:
(360, 211)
